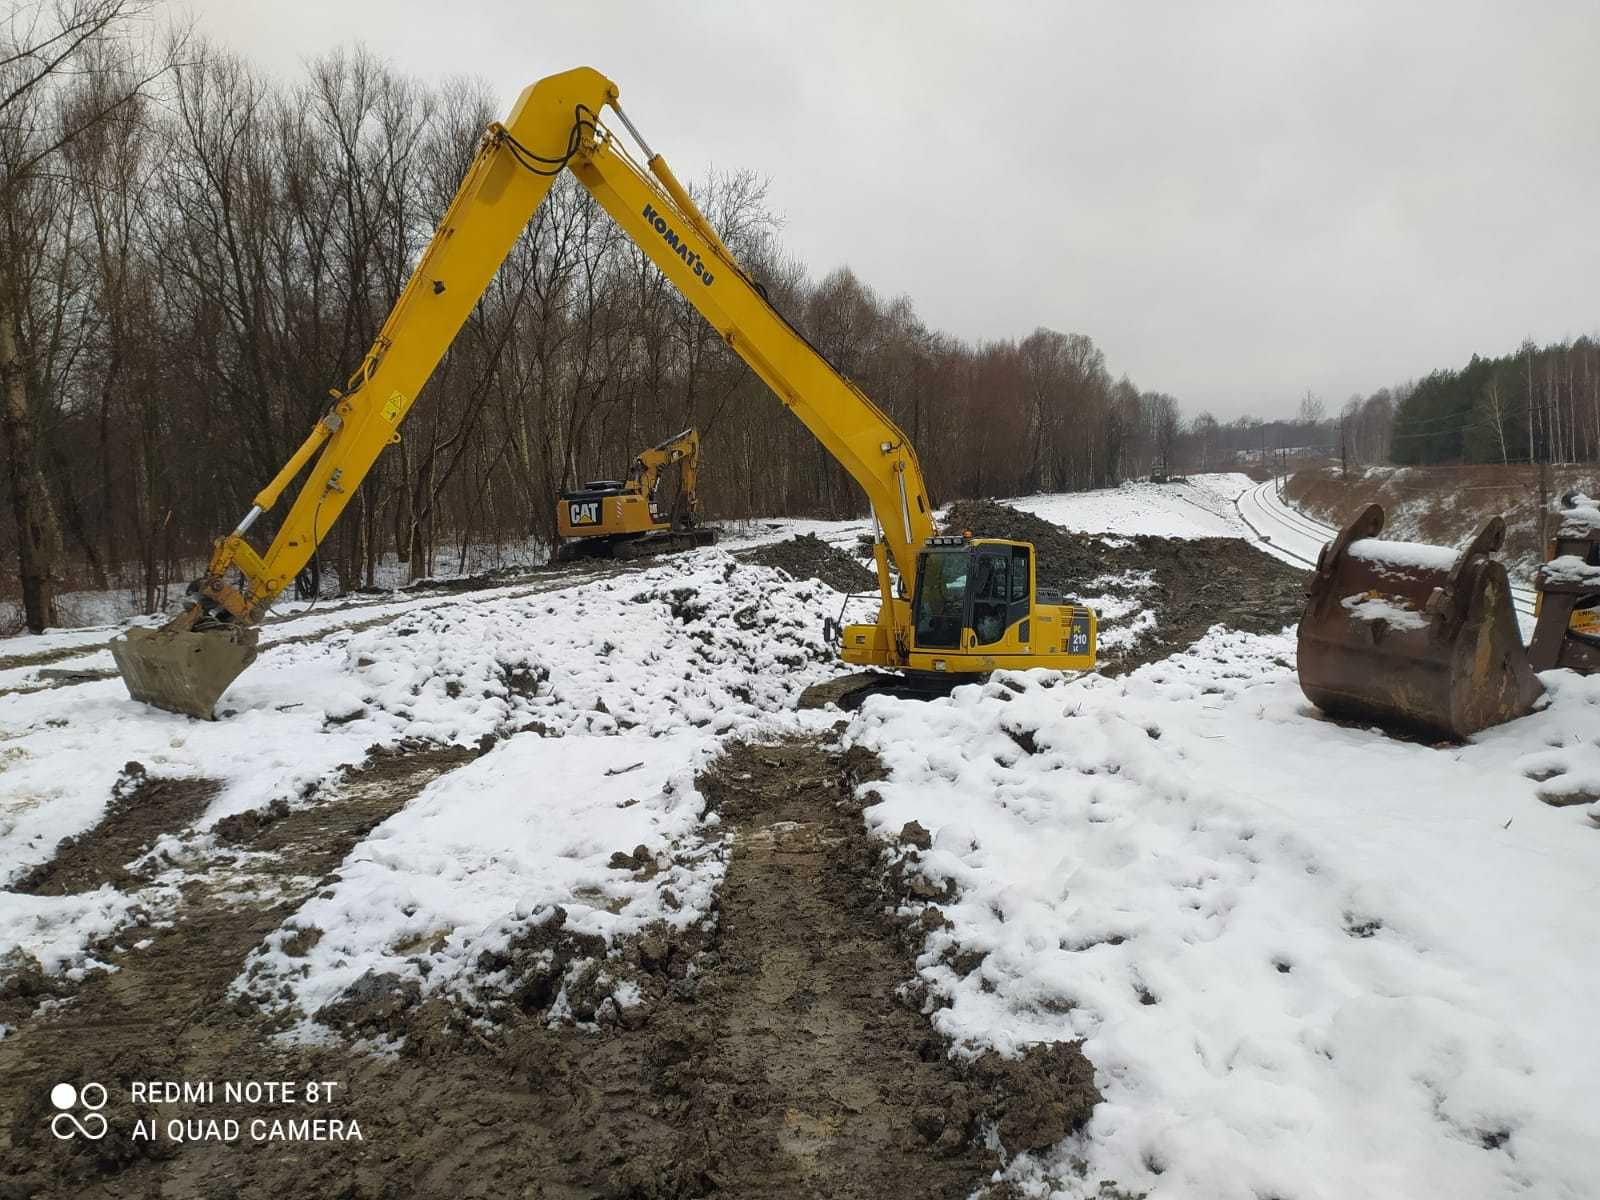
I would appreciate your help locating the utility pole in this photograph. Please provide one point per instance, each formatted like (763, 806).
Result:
(1344, 450)
(1544, 507)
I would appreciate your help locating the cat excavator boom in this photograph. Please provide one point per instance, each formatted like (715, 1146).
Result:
(948, 605)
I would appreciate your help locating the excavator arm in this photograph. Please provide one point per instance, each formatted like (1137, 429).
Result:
(683, 449)
(554, 126)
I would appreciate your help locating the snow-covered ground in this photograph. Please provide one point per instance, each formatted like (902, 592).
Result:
(1306, 960)
(1202, 507)
(700, 648)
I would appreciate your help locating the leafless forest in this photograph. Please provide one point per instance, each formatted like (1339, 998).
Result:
(194, 253)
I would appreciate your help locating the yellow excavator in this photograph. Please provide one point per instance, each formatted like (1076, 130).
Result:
(626, 518)
(949, 605)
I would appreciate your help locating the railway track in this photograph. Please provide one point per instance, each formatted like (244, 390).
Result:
(1293, 536)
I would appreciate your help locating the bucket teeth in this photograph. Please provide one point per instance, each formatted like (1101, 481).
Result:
(180, 670)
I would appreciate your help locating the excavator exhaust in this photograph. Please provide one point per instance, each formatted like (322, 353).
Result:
(186, 665)
(1414, 637)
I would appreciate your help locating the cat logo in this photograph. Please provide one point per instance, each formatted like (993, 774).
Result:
(584, 512)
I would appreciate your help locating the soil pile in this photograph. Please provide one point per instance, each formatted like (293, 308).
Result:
(1195, 583)
(807, 556)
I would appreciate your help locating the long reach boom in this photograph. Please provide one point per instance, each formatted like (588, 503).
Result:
(556, 126)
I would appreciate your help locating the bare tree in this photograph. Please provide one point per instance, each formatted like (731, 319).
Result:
(47, 51)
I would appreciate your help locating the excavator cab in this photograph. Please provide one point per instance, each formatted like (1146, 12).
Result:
(975, 608)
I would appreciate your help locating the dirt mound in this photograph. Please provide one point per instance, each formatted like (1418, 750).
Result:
(1194, 583)
(141, 810)
(806, 556)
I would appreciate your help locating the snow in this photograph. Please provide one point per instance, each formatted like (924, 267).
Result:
(1116, 632)
(56, 930)
(643, 677)
(1371, 980)
(1570, 568)
(1306, 959)
(1202, 507)
(1580, 516)
(1364, 607)
(530, 826)
(681, 646)
(743, 535)
(1403, 555)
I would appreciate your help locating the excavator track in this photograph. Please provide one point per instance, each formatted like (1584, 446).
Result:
(625, 549)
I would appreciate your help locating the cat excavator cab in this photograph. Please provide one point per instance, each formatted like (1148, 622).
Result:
(630, 518)
(927, 624)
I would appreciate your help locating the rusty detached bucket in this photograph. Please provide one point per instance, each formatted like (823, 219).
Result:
(1416, 638)
(1568, 630)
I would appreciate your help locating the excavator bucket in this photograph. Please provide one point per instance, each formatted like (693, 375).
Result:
(1567, 633)
(1412, 637)
(182, 669)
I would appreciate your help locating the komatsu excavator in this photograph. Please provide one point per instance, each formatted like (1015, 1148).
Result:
(947, 605)
(628, 518)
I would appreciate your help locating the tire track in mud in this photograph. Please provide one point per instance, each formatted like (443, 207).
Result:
(166, 1013)
(842, 1087)
(141, 810)
(776, 1056)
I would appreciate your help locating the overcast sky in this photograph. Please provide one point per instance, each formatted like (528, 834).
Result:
(1237, 201)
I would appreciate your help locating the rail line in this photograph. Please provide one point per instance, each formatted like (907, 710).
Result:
(1292, 534)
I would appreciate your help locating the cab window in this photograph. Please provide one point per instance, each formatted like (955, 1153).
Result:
(1019, 574)
(941, 599)
(991, 594)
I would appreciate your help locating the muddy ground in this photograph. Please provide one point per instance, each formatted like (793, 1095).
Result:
(778, 1053)
(806, 556)
(1196, 582)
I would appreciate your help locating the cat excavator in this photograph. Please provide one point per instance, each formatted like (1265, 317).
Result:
(628, 518)
(948, 605)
